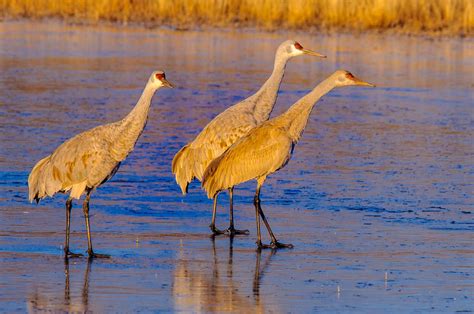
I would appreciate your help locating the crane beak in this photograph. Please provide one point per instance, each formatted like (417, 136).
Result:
(312, 53)
(360, 82)
(166, 83)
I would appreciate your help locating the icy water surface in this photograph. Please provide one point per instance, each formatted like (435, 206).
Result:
(377, 199)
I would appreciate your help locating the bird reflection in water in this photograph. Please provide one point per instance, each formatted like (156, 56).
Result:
(260, 271)
(47, 301)
(214, 285)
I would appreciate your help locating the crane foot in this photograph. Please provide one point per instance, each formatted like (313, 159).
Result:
(232, 231)
(68, 254)
(97, 255)
(278, 245)
(274, 245)
(215, 231)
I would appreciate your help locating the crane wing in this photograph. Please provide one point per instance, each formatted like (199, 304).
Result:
(224, 130)
(80, 162)
(262, 151)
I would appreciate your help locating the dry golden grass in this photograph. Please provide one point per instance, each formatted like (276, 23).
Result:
(414, 16)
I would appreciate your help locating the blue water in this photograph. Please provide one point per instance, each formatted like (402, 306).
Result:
(381, 183)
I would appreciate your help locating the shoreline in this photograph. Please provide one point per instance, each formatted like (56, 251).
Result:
(394, 32)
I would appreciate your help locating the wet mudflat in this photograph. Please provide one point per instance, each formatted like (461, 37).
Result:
(378, 198)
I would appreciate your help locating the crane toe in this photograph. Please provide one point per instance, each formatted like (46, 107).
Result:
(279, 245)
(216, 231)
(232, 231)
(274, 245)
(68, 254)
(97, 255)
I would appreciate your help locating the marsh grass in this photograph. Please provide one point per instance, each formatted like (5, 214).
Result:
(413, 16)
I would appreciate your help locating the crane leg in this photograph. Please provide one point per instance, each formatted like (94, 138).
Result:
(212, 226)
(274, 244)
(85, 208)
(231, 230)
(256, 201)
(67, 252)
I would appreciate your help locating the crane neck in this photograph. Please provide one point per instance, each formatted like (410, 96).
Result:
(295, 119)
(131, 127)
(140, 111)
(265, 98)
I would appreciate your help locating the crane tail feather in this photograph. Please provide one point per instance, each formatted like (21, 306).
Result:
(183, 168)
(210, 179)
(36, 189)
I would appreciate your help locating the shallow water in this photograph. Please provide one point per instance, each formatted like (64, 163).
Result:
(377, 199)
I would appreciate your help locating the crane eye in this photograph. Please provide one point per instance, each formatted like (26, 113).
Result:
(298, 46)
(160, 76)
(349, 75)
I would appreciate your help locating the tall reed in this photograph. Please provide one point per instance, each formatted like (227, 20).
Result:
(448, 16)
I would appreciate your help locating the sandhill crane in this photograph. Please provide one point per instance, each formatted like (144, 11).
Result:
(268, 148)
(230, 125)
(89, 159)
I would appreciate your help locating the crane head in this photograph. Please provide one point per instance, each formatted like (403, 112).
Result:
(346, 78)
(293, 48)
(158, 79)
